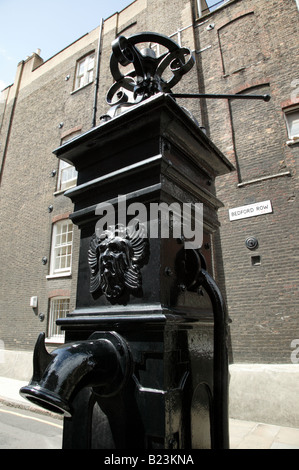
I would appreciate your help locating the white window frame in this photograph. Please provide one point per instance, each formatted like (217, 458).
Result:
(67, 176)
(67, 173)
(59, 307)
(217, 4)
(62, 248)
(84, 71)
(199, 8)
(293, 136)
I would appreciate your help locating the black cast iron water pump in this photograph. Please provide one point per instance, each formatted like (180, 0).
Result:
(145, 359)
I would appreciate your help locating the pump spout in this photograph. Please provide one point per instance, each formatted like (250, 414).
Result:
(102, 362)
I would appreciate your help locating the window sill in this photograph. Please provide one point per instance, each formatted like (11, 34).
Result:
(264, 178)
(62, 191)
(81, 88)
(57, 340)
(55, 276)
(293, 141)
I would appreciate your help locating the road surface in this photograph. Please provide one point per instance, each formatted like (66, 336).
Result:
(23, 429)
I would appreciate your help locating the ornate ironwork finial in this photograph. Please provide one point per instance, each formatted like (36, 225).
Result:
(153, 72)
(158, 65)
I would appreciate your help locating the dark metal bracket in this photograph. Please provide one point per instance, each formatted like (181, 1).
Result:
(221, 96)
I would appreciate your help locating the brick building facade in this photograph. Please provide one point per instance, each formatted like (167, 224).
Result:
(244, 46)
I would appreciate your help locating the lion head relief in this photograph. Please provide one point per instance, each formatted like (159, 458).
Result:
(115, 259)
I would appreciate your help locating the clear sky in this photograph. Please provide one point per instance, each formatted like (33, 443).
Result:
(49, 25)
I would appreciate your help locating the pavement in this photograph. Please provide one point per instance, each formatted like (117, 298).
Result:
(243, 434)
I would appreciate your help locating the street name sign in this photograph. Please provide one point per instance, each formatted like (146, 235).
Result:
(250, 210)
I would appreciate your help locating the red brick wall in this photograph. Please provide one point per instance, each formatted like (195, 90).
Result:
(254, 49)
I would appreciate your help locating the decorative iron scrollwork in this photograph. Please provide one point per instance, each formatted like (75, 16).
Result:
(146, 79)
(115, 259)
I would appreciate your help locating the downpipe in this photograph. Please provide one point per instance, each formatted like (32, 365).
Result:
(102, 362)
